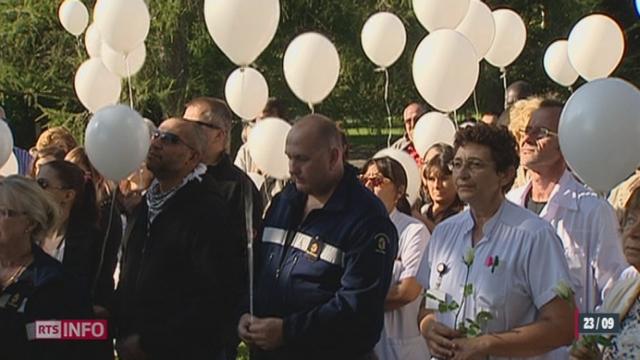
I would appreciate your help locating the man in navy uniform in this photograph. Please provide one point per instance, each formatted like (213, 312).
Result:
(327, 252)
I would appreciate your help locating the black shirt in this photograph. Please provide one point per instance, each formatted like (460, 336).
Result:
(44, 291)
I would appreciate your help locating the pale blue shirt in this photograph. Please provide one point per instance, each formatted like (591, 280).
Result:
(531, 265)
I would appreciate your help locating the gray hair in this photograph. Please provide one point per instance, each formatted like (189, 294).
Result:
(25, 195)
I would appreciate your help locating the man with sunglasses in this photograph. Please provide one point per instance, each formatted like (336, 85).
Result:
(181, 272)
(214, 121)
(328, 249)
(586, 223)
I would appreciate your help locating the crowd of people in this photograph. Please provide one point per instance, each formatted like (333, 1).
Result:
(500, 251)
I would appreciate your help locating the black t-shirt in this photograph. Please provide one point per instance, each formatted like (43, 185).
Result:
(534, 206)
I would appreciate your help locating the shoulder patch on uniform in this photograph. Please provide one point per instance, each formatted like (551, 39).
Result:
(382, 242)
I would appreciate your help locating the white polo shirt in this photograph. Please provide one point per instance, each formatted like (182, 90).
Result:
(531, 265)
(400, 338)
(590, 234)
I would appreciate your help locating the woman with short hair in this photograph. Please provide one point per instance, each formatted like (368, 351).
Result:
(33, 286)
(438, 184)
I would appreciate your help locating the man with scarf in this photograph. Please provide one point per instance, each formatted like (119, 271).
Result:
(176, 295)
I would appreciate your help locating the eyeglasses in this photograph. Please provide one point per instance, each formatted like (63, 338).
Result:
(10, 213)
(374, 181)
(472, 164)
(169, 138)
(45, 184)
(538, 133)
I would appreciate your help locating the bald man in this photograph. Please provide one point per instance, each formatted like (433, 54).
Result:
(328, 248)
(178, 293)
(411, 115)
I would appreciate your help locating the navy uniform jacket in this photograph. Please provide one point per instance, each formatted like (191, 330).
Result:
(326, 276)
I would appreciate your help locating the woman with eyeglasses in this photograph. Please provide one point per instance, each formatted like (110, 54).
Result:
(438, 184)
(624, 298)
(33, 285)
(400, 338)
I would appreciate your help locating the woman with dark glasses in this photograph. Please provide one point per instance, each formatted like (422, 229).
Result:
(400, 337)
(77, 242)
(34, 286)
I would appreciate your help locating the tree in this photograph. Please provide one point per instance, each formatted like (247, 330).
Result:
(39, 59)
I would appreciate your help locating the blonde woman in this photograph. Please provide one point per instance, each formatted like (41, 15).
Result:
(33, 285)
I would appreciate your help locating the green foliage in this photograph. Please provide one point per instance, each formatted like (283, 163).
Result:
(468, 290)
(38, 59)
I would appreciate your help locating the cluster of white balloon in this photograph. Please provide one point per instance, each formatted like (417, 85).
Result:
(446, 62)
(116, 138)
(599, 126)
(114, 42)
(242, 29)
(593, 50)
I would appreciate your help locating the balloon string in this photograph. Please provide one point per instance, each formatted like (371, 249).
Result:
(503, 76)
(104, 242)
(313, 111)
(248, 215)
(475, 104)
(455, 119)
(386, 102)
(78, 45)
(126, 60)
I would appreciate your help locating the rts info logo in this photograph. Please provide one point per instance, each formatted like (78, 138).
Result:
(67, 330)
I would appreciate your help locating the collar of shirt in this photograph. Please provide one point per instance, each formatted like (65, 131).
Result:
(564, 194)
(502, 216)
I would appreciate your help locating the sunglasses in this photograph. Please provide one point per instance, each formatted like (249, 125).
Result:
(169, 138)
(374, 181)
(538, 133)
(45, 184)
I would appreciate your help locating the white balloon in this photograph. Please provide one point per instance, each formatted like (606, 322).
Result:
(410, 168)
(97, 9)
(96, 86)
(439, 14)
(383, 38)
(117, 141)
(246, 92)
(242, 29)
(445, 69)
(266, 144)
(10, 167)
(311, 67)
(73, 16)
(479, 27)
(116, 61)
(599, 131)
(93, 40)
(123, 24)
(511, 35)
(557, 64)
(6, 142)
(257, 179)
(433, 128)
(596, 46)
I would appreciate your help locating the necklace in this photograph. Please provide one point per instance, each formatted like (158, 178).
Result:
(14, 277)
